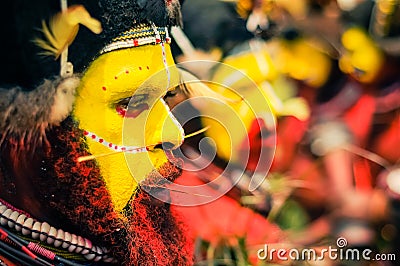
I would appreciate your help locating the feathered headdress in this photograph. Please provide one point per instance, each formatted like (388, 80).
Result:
(63, 29)
(43, 33)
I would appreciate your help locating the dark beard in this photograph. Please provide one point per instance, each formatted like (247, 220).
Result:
(146, 233)
(153, 232)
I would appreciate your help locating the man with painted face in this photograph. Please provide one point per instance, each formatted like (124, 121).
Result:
(73, 180)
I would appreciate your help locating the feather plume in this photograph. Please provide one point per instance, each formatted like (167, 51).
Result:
(25, 116)
(63, 28)
(174, 12)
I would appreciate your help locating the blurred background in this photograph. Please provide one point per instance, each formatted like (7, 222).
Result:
(331, 73)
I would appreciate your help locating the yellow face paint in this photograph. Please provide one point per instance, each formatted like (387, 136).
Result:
(108, 87)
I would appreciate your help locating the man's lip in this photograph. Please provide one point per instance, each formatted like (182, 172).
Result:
(169, 154)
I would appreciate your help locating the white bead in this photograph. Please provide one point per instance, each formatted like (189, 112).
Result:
(52, 235)
(67, 240)
(36, 227)
(13, 219)
(59, 238)
(20, 221)
(27, 226)
(5, 216)
(44, 229)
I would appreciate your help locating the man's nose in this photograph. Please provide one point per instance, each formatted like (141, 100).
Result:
(163, 128)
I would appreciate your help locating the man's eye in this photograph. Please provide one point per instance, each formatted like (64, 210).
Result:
(132, 106)
(123, 103)
(171, 93)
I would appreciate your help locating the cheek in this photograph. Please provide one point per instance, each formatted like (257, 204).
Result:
(142, 164)
(133, 131)
(119, 181)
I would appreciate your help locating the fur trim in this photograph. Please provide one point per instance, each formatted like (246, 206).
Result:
(63, 100)
(25, 116)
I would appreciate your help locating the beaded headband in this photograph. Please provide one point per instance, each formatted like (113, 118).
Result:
(141, 34)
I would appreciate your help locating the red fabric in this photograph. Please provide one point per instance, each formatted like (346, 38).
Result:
(225, 219)
(362, 174)
(359, 118)
(290, 131)
(259, 139)
(388, 143)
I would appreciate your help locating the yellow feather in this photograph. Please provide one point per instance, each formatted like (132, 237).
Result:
(63, 28)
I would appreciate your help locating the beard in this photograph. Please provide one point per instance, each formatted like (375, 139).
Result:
(75, 198)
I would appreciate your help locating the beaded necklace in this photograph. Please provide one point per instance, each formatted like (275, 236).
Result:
(40, 240)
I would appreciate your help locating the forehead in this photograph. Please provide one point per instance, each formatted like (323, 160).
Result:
(120, 73)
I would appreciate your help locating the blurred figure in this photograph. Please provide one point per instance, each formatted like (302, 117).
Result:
(327, 158)
(223, 224)
(247, 65)
(218, 33)
(351, 115)
(371, 56)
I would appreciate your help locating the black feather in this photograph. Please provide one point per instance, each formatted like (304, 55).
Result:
(119, 16)
(23, 66)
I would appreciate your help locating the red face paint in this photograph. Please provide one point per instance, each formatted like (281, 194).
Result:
(133, 106)
(132, 112)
